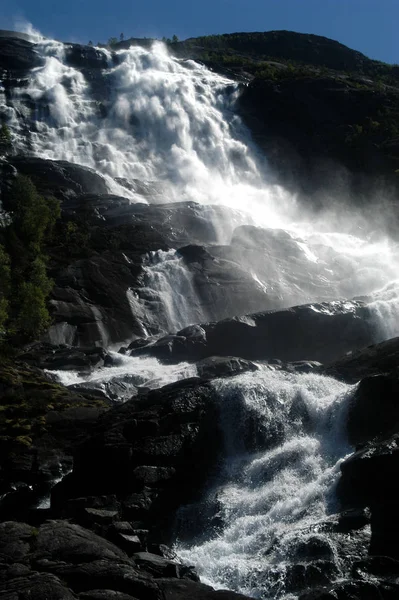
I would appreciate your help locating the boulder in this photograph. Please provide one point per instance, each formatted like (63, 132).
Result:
(369, 479)
(105, 595)
(372, 360)
(36, 586)
(145, 451)
(223, 366)
(374, 409)
(65, 358)
(310, 332)
(59, 178)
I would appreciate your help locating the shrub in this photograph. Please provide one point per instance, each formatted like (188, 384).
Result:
(25, 285)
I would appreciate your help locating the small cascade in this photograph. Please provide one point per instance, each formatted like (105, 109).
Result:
(384, 311)
(168, 296)
(128, 373)
(284, 441)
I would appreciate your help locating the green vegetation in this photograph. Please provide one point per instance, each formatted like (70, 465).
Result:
(112, 42)
(27, 396)
(24, 283)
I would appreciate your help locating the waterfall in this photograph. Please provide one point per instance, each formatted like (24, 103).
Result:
(141, 114)
(274, 498)
(384, 311)
(168, 296)
(153, 118)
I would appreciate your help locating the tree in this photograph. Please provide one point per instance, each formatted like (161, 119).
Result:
(175, 39)
(112, 41)
(33, 317)
(24, 283)
(122, 37)
(90, 43)
(5, 139)
(33, 215)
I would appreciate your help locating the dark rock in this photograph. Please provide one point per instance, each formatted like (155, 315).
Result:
(181, 589)
(64, 358)
(369, 479)
(373, 360)
(310, 332)
(217, 366)
(18, 54)
(353, 519)
(105, 595)
(347, 590)
(37, 434)
(36, 586)
(145, 453)
(294, 135)
(157, 566)
(379, 566)
(367, 474)
(59, 178)
(313, 548)
(310, 574)
(63, 541)
(98, 515)
(151, 475)
(374, 409)
(129, 543)
(304, 366)
(86, 57)
(15, 541)
(120, 576)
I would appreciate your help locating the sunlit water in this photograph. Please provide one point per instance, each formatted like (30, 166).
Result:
(271, 501)
(156, 118)
(134, 371)
(173, 122)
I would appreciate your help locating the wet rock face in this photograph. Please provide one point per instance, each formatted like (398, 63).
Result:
(85, 57)
(18, 55)
(317, 332)
(372, 360)
(60, 178)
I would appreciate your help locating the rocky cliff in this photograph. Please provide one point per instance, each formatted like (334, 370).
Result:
(215, 397)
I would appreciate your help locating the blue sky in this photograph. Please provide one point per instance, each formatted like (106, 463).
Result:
(367, 25)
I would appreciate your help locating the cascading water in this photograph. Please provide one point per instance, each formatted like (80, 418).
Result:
(275, 500)
(128, 373)
(169, 285)
(145, 115)
(159, 119)
(142, 114)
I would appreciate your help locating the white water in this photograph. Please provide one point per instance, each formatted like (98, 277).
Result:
(128, 373)
(273, 500)
(169, 293)
(173, 122)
